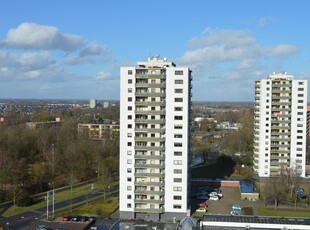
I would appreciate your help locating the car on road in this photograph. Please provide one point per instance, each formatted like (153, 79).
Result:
(216, 194)
(201, 210)
(214, 198)
(236, 207)
(59, 229)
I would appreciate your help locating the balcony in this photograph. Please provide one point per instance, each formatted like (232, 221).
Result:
(163, 130)
(149, 201)
(158, 157)
(149, 139)
(150, 85)
(150, 76)
(150, 94)
(150, 103)
(150, 112)
(148, 174)
(150, 121)
(149, 210)
(148, 183)
(158, 166)
(148, 192)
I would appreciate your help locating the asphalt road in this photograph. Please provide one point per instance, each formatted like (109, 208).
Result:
(25, 219)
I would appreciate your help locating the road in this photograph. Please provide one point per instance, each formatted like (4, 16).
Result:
(25, 219)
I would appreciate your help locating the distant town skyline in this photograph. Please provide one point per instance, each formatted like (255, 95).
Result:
(74, 49)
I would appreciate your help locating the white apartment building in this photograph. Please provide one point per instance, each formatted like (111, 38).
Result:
(155, 104)
(280, 125)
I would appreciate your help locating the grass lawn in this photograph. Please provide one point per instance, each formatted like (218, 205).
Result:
(100, 209)
(263, 211)
(61, 196)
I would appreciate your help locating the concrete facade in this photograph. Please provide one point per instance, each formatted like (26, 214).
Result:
(154, 140)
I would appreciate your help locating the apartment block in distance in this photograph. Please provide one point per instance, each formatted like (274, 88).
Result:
(280, 125)
(155, 104)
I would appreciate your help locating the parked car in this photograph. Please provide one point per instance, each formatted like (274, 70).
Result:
(202, 197)
(84, 218)
(235, 213)
(214, 198)
(201, 210)
(42, 227)
(67, 218)
(203, 204)
(59, 229)
(236, 207)
(76, 218)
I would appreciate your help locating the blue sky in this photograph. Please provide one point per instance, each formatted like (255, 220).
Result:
(73, 49)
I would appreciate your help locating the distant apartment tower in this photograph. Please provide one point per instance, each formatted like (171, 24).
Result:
(155, 104)
(92, 103)
(280, 125)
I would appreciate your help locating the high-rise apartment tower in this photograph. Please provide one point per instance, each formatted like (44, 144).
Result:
(155, 104)
(280, 125)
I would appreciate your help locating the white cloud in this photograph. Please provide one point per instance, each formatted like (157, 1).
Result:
(231, 45)
(103, 75)
(34, 36)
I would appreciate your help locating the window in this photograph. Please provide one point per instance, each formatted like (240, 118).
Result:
(178, 117)
(178, 108)
(178, 90)
(299, 149)
(300, 101)
(177, 197)
(128, 196)
(129, 72)
(129, 126)
(129, 134)
(178, 72)
(178, 99)
(129, 81)
(300, 89)
(299, 137)
(178, 126)
(177, 189)
(300, 83)
(299, 155)
(178, 154)
(299, 143)
(299, 125)
(177, 135)
(178, 82)
(177, 171)
(129, 152)
(177, 144)
(129, 90)
(129, 117)
(128, 205)
(129, 188)
(300, 113)
(129, 144)
(177, 206)
(129, 108)
(299, 131)
(300, 107)
(129, 179)
(129, 170)
(129, 161)
(177, 180)
(129, 98)
(177, 162)
(300, 95)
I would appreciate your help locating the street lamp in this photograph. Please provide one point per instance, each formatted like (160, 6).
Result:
(8, 225)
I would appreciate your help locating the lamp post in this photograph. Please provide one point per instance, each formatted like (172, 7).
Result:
(8, 226)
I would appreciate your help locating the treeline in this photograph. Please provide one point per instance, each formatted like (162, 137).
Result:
(35, 160)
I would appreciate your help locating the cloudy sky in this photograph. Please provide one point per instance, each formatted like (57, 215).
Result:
(73, 49)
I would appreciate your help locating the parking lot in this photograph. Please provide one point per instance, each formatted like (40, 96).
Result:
(231, 195)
